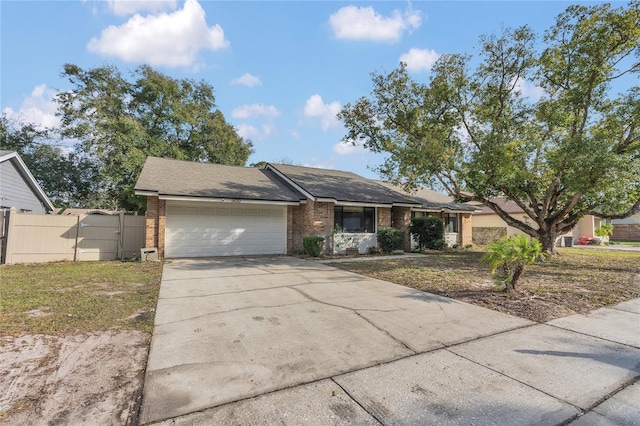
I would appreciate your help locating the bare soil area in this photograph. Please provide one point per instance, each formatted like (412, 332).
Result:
(93, 378)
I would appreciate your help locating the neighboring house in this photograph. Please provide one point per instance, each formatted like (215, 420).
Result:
(18, 187)
(196, 209)
(488, 226)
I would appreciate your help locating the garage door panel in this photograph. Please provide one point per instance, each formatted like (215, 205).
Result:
(198, 229)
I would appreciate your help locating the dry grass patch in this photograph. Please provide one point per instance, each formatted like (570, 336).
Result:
(576, 281)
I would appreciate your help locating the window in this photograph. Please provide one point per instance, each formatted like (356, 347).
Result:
(354, 219)
(451, 222)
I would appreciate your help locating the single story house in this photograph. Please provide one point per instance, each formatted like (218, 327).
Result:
(488, 226)
(198, 210)
(18, 188)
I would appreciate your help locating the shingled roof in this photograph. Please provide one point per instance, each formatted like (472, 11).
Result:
(345, 187)
(166, 177)
(431, 200)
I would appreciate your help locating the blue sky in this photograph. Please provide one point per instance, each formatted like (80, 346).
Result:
(280, 70)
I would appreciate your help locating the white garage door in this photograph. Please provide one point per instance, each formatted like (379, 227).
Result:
(220, 229)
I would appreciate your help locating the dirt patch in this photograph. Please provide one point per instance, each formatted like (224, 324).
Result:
(93, 378)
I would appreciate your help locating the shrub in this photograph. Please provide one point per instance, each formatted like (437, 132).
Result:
(390, 239)
(428, 232)
(604, 230)
(313, 245)
(511, 255)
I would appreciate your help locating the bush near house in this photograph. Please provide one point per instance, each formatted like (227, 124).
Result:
(428, 232)
(312, 245)
(390, 239)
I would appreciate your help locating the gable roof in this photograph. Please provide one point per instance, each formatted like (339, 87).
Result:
(339, 186)
(188, 179)
(27, 176)
(433, 201)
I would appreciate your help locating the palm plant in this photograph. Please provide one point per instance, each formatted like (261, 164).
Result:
(511, 255)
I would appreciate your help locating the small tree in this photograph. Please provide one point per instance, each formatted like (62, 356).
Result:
(511, 255)
(390, 239)
(312, 245)
(428, 232)
(604, 230)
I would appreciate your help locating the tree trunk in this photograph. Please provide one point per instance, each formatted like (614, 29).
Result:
(516, 276)
(548, 241)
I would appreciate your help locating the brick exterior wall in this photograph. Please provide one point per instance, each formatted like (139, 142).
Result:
(312, 218)
(295, 226)
(466, 229)
(401, 219)
(384, 216)
(156, 222)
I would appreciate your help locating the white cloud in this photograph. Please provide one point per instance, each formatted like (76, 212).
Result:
(327, 164)
(529, 90)
(255, 110)
(248, 80)
(295, 134)
(39, 109)
(347, 148)
(418, 60)
(171, 39)
(247, 131)
(316, 108)
(364, 23)
(129, 7)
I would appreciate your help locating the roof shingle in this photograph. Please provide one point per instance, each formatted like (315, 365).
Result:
(192, 179)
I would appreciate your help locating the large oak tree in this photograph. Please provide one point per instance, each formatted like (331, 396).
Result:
(120, 121)
(474, 132)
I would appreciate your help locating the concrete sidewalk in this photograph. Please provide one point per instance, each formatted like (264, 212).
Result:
(269, 340)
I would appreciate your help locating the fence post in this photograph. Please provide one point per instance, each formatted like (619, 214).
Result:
(11, 221)
(75, 250)
(120, 251)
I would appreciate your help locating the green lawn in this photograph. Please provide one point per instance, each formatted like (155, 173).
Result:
(626, 243)
(66, 297)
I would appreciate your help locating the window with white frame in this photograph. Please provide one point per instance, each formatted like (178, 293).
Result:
(354, 219)
(451, 223)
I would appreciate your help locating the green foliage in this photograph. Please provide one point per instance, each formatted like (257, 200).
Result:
(571, 150)
(509, 256)
(120, 122)
(313, 245)
(604, 230)
(390, 239)
(428, 232)
(67, 178)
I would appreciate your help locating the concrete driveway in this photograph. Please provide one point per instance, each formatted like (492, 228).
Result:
(264, 340)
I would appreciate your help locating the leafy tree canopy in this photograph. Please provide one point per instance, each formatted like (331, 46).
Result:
(473, 132)
(66, 177)
(119, 122)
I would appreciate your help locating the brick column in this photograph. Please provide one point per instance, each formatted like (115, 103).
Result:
(156, 221)
(151, 219)
(383, 217)
(401, 219)
(466, 230)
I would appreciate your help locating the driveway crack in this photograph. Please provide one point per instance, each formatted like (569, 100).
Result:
(357, 312)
